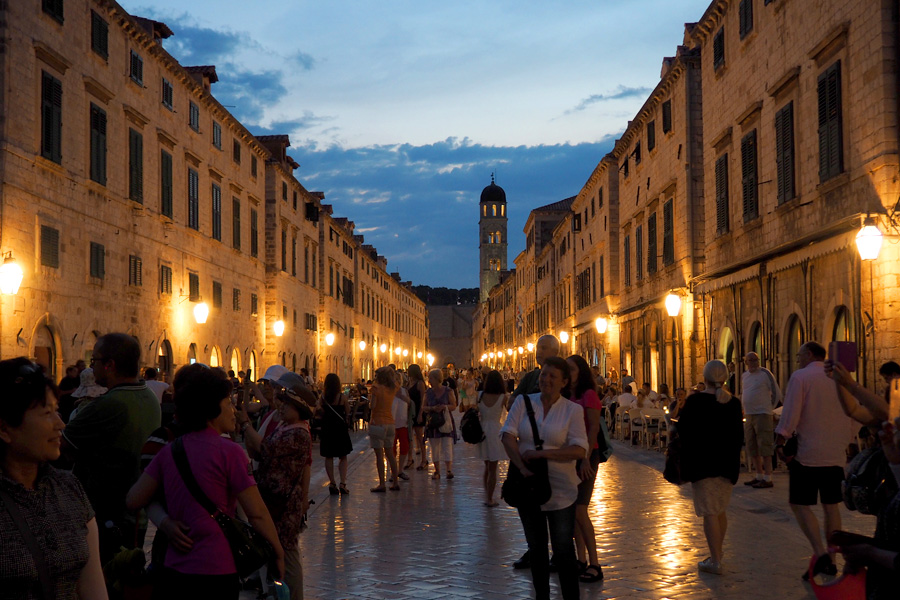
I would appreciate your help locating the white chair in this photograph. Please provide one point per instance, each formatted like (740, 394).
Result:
(638, 425)
(654, 424)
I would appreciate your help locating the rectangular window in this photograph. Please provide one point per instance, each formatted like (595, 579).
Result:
(99, 35)
(165, 280)
(784, 152)
(217, 135)
(637, 154)
(314, 263)
(639, 252)
(284, 249)
(98, 260)
(216, 212)
(193, 287)
(217, 294)
(601, 279)
(193, 199)
(168, 94)
(137, 68)
(745, 12)
(54, 8)
(235, 223)
(166, 190)
(253, 166)
(254, 305)
(668, 232)
(722, 194)
(194, 116)
(235, 299)
(306, 264)
(294, 256)
(135, 274)
(295, 199)
(330, 281)
(254, 233)
(719, 49)
(749, 189)
(625, 166)
(135, 166)
(236, 151)
(51, 117)
(98, 144)
(627, 254)
(284, 191)
(651, 136)
(651, 244)
(49, 247)
(667, 116)
(831, 154)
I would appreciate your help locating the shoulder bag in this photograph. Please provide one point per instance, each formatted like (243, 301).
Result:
(447, 427)
(251, 550)
(672, 469)
(528, 492)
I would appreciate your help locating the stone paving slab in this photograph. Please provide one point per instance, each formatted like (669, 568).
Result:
(435, 539)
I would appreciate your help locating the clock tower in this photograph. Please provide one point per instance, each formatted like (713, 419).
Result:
(492, 241)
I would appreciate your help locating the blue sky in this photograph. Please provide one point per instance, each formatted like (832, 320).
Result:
(400, 111)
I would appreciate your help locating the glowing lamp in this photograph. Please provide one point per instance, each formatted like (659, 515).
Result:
(601, 324)
(483, 357)
(530, 347)
(564, 337)
(673, 304)
(329, 339)
(430, 359)
(201, 312)
(278, 328)
(383, 348)
(509, 351)
(419, 355)
(521, 349)
(362, 345)
(10, 276)
(868, 240)
(491, 355)
(405, 352)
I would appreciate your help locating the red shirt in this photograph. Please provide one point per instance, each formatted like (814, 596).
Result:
(589, 400)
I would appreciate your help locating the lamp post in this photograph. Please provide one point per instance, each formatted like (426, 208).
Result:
(869, 240)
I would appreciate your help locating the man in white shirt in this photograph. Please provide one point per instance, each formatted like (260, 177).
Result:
(157, 387)
(626, 398)
(759, 396)
(813, 410)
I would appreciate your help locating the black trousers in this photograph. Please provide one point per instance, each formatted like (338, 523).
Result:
(561, 524)
(172, 585)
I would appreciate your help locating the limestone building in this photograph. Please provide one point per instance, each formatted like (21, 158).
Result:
(132, 199)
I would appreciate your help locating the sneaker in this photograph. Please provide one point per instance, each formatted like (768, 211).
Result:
(763, 484)
(708, 565)
(752, 482)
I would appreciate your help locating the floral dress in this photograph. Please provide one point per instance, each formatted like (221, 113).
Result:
(285, 454)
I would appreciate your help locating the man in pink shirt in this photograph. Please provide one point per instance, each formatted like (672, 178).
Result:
(813, 410)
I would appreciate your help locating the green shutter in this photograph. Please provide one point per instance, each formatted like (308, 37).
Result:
(135, 166)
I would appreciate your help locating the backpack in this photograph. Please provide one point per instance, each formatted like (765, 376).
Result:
(869, 484)
(470, 426)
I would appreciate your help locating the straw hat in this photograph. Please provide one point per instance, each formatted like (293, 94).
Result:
(89, 386)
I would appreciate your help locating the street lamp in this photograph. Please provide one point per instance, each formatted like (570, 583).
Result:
(491, 355)
(564, 337)
(868, 240)
(405, 352)
(530, 347)
(278, 328)
(601, 324)
(329, 339)
(521, 350)
(201, 312)
(362, 345)
(430, 359)
(419, 355)
(383, 348)
(10, 275)
(673, 304)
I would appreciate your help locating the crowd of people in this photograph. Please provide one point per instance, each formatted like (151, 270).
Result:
(87, 465)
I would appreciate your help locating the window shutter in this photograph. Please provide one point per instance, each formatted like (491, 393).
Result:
(98, 144)
(217, 294)
(193, 199)
(627, 254)
(784, 152)
(166, 191)
(651, 244)
(54, 8)
(668, 233)
(236, 299)
(98, 260)
(135, 166)
(135, 275)
(722, 194)
(639, 252)
(193, 287)
(667, 116)
(651, 135)
(602, 279)
(719, 49)
(236, 223)
(165, 279)
(745, 12)
(99, 35)
(254, 234)
(830, 137)
(49, 247)
(749, 189)
(216, 212)
(51, 118)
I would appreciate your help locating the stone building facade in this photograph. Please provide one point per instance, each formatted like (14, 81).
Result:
(738, 189)
(131, 196)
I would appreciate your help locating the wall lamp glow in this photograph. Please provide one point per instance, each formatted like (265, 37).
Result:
(278, 328)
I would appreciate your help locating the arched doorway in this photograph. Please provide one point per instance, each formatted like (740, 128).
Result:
(214, 360)
(192, 354)
(794, 341)
(755, 341)
(45, 350)
(235, 360)
(164, 360)
(252, 367)
(726, 346)
(841, 331)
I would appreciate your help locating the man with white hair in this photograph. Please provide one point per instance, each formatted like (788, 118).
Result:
(760, 395)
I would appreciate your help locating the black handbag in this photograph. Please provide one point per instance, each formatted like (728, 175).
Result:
(251, 550)
(672, 470)
(435, 420)
(528, 492)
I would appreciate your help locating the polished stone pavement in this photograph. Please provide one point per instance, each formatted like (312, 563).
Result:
(436, 539)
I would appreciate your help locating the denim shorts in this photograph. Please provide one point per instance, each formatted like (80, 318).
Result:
(381, 436)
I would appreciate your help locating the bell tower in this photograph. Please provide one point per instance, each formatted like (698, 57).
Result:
(492, 236)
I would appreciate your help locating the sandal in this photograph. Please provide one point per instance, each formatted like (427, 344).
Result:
(591, 574)
(378, 490)
(333, 489)
(403, 476)
(343, 489)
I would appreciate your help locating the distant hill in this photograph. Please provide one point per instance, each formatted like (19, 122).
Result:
(441, 296)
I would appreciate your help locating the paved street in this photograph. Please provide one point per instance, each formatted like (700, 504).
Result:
(435, 539)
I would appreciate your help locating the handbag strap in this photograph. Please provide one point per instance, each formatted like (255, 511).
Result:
(538, 442)
(40, 563)
(190, 481)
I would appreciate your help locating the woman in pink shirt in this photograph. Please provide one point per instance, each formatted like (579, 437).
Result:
(582, 391)
(207, 569)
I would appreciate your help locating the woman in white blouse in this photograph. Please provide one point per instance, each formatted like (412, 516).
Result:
(560, 424)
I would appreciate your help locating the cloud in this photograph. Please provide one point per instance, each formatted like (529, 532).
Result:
(620, 93)
(418, 204)
(304, 60)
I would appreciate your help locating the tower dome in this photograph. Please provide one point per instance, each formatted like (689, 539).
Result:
(493, 193)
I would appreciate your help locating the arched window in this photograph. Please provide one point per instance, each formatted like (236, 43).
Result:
(491, 238)
(502, 210)
(484, 210)
(726, 346)
(192, 354)
(494, 209)
(235, 360)
(755, 342)
(214, 357)
(841, 332)
(497, 237)
(794, 341)
(252, 365)
(164, 359)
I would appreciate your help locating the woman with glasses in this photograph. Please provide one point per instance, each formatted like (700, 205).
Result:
(50, 546)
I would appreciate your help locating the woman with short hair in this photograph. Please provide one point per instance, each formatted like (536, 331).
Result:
(440, 398)
(204, 408)
(711, 430)
(560, 425)
(38, 501)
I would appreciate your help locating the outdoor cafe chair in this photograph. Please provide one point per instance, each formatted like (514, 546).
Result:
(654, 420)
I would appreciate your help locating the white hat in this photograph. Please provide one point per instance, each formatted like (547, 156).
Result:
(89, 386)
(275, 372)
